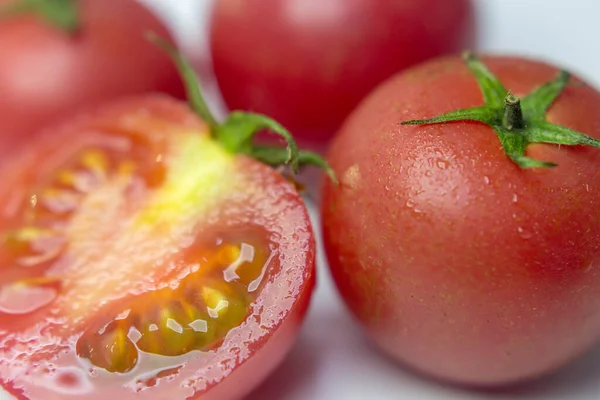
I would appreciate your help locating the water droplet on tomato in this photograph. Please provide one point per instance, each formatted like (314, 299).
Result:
(18, 299)
(199, 325)
(174, 325)
(71, 381)
(245, 255)
(253, 286)
(442, 164)
(410, 203)
(486, 179)
(134, 334)
(221, 306)
(515, 198)
(525, 234)
(249, 266)
(67, 379)
(588, 267)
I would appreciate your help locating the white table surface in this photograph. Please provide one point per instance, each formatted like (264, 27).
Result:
(332, 360)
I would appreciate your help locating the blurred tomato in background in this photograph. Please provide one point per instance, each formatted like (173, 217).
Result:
(47, 71)
(308, 63)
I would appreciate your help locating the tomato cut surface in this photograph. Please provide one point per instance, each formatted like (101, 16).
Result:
(141, 260)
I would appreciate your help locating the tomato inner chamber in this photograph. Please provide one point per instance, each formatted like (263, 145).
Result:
(196, 315)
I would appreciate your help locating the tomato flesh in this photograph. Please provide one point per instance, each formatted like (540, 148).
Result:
(141, 258)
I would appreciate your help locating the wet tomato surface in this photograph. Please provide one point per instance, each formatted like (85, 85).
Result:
(455, 260)
(141, 260)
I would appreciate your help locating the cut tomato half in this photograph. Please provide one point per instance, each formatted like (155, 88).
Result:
(140, 259)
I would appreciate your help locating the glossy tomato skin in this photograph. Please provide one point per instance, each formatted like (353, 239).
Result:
(252, 198)
(308, 63)
(455, 261)
(46, 74)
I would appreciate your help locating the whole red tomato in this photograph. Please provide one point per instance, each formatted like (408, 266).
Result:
(52, 65)
(307, 63)
(457, 246)
(146, 253)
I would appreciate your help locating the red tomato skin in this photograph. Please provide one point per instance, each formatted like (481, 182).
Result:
(308, 63)
(249, 353)
(455, 261)
(46, 74)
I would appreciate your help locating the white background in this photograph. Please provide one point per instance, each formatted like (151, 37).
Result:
(331, 359)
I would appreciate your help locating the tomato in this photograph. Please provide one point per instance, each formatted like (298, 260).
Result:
(46, 72)
(462, 256)
(308, 63)
(147, 254)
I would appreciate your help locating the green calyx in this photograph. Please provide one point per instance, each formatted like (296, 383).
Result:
(236, 134)
(63, 14)
(517, 122)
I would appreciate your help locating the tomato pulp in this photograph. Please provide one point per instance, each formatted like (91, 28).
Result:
(455, 260)
(141, 260)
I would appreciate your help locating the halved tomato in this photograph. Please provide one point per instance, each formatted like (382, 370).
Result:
(144, 258)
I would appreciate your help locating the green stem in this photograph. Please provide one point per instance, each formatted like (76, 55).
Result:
(239, 129)
(513, 114)
(526, 117)
(191, 82)
(236, 134)
(276, 156)
(63, 14)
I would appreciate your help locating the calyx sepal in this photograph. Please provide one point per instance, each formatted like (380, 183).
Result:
(63, 14)
(517, 122)
(236, 134)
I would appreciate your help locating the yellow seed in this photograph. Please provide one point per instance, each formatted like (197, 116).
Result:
(165, 314)
(95, 161)
(216, 302)
(248, 268)
(27, 234)
(126, 168)
(228, 254)
(67, 178)
(39, 281)
(171, 334)
(189, 310)
(21, 243)
(111, 350)
(121, 352)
